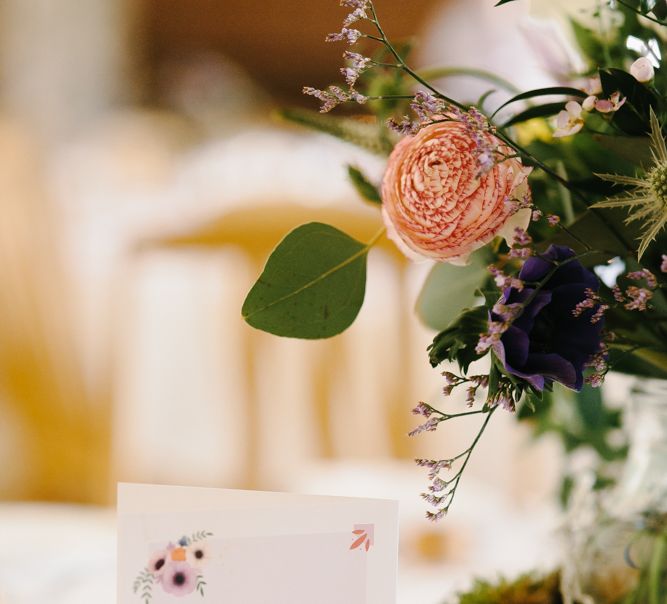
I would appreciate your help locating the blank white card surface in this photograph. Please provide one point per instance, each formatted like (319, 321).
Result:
(181, 545)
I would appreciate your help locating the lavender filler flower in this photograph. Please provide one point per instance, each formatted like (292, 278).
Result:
(547, 342)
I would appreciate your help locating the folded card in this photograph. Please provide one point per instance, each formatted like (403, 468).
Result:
(178, 545)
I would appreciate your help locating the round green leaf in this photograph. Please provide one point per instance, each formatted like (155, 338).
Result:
(313, 284)
(448, 290)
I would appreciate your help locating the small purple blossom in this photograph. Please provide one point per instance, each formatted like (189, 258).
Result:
(639, 298)
(333, 96)
(598, 363)
(356, 4)
(520, 252)
(502, 280)
(430, 425)
(546, 343)
(590, 301)
(536, 215)
(351, 36)
(478, 127)
(357, 60)
(356, 15)
(521, 237)
(494, 333)
(434, 466)
(423, 409)
(663, 266)
(438, 485)
(553, 220)
(645, 274)
(405, 127)
(426, 106)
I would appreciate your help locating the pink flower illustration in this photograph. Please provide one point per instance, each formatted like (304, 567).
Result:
(179, 578)
(449, 190)
(157, 563)
(198, 554)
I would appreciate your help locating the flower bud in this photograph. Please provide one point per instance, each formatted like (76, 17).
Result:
(642, 70)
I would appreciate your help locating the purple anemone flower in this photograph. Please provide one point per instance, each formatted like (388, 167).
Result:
(547, 343)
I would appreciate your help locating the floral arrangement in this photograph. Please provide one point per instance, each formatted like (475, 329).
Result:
(552, 202)
(177, 568)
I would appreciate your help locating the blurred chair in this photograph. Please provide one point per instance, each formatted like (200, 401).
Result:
(56, 428)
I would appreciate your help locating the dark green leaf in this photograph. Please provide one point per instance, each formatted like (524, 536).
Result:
(312, 286)
(550, 91)
(364, 187)
(458, 341)
(448, 290)
(660, 10)
(533, 112)
(635, 149)
(633, 116)
(602, 230)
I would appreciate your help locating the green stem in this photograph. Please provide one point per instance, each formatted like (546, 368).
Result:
(432, 73)
(467, 454)
(640, 13)
(399, 59)
(567, 184)
(655, 570)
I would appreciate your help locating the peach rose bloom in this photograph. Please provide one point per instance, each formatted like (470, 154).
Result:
(436, 204)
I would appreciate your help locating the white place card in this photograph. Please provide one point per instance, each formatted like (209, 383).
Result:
(180, 545)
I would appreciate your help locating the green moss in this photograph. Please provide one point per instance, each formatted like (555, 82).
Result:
(527, 589)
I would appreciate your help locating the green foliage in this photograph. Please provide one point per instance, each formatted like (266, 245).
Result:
(633, 117)
(589, 43)
(633, 149)
(579, 420)
(527, 589)
(313, 284)
(364, 187)
(200, 584)
(549, 91)
(143, 585)
(364, 134)
(531, 113)
(200, 536)
(457, 342)
(449, 289)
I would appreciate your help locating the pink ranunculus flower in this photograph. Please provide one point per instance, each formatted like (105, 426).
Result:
(436, 202)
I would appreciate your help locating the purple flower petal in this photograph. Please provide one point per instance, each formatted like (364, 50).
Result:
(547, 343)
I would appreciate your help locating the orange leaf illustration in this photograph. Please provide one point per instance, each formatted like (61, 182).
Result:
(358, 542)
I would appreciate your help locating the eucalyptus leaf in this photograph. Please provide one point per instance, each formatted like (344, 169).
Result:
(312, 286)
(448, 290)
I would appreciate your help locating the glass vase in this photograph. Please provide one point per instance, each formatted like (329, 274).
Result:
(617, 539)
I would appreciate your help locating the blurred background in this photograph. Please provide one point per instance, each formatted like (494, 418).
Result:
(143, 183)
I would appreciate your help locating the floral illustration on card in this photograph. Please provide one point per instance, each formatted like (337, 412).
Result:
(363, 535)
(177, 568)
